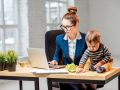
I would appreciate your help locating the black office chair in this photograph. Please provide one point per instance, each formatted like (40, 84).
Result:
(50, 46)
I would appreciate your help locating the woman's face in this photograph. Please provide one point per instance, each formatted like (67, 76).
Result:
(68, 27)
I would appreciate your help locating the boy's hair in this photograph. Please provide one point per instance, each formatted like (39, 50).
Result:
(92, 36)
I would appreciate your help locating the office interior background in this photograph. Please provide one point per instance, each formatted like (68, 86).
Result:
(23, 24)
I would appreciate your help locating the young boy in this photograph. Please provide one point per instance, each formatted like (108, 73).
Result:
(96, 57)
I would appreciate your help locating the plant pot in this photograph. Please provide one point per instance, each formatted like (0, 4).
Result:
(11, 67)
(2, 66)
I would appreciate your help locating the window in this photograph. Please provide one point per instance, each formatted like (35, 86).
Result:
(55, 9)
(10, 26)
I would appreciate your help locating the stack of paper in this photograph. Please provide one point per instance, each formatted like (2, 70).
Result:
(48, 71)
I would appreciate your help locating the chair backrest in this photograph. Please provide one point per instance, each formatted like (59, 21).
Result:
(50, 43)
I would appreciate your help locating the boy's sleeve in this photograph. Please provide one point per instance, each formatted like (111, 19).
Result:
(107, 54)
(84, 59)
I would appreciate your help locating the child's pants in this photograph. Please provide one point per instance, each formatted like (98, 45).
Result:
(107, 66)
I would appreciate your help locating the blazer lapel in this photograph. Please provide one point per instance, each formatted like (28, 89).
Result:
(78, 45)
(65, 48)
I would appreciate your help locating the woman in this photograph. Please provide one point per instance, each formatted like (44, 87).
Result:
(72, 45)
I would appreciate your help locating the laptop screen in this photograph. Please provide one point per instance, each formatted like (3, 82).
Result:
(37, 58)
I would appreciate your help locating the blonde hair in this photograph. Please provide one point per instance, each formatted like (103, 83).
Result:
(92, 36)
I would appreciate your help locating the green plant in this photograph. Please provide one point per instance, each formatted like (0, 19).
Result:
(11, 56)
(2, 57)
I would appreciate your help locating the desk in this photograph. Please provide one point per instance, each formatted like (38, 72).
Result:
(21, 74)
(87, 77)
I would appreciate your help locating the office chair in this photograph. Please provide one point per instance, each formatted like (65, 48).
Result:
(50, 43)
(50, 46)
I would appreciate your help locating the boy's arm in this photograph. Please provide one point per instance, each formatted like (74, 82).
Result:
(106, 58)
(83, 59)
(82, 62)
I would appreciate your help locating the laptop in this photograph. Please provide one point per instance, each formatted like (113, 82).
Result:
(37, 58)
(38, 61)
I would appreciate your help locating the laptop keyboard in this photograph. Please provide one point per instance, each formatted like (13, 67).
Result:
(56, 66)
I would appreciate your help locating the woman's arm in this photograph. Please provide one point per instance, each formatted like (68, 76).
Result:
(58, 50)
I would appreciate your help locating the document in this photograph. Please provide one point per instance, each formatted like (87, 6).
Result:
(49, 71)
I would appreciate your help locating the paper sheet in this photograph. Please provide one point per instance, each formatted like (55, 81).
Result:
(48, 71)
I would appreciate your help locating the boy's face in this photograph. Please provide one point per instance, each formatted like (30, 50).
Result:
(93, 46)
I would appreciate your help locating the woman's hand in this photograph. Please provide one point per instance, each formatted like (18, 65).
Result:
(54, 62)
(78, 70)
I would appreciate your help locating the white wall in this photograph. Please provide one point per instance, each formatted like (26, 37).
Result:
(105, 16)
(37, 20)
(83, 13)
(101, 14)
(23, 26)
(37, 23)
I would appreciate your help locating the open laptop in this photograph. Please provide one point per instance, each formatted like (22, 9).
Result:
(39, 62)
(37, 58)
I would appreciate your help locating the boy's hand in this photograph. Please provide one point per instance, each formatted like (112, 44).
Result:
(78, 70)
(97, 65)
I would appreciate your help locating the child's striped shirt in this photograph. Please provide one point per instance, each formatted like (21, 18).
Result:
(101, 54)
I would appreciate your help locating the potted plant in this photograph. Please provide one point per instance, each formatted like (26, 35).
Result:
(11, 57)
(2, 61)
